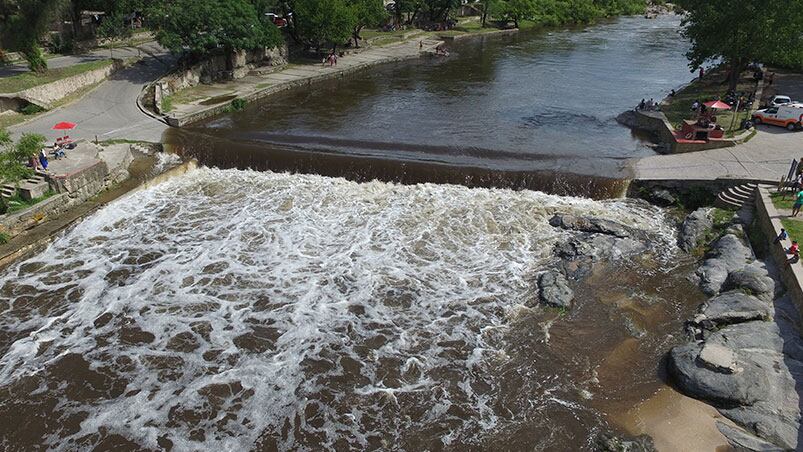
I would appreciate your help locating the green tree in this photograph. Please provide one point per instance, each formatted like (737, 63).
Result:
(367, 13)
(203, 26)
(518, 10)
(740, 31)
(114, 28)
(320, 23)
(25, 23)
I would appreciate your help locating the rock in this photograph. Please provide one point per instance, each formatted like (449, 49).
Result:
(694, 229)
(753, 279)
(729, 308)
(628, 119)
(718, 358)
(607, 442)
(662, 197)
(554, 290)
(590, 224)
(728, 254)
(697, 379)
(741, 440)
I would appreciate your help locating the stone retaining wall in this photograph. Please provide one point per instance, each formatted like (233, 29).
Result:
(46, 95)
(770, 222)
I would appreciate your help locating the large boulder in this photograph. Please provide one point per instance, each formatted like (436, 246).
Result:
(694, 229)
(752, 279)
(727, 255)
(554, 290)
(590, 224)
(729, 308)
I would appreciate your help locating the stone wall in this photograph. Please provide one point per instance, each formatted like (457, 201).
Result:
(222, 67)
(47, 94)
(770, 222)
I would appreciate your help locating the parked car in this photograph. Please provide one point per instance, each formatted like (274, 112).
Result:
(780, 100)
(787, 115)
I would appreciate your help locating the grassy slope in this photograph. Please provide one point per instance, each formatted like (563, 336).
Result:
(30, 79)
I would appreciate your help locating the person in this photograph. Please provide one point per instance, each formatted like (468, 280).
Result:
(771, 78)
(702, 72)
(781, 237)
(43, 159)
(33, 162)
(420, 44)
(798, 203)
(653, 104)
(59, 153)
(794, 249)
(672, 93)
(695, 106)
(641, 105)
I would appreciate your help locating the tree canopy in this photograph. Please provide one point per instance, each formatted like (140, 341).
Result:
(201, 26)
(738, 32)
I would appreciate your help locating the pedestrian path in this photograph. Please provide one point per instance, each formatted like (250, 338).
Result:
(765, 158)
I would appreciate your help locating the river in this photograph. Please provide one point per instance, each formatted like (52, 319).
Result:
(237, 309)
(539, 102)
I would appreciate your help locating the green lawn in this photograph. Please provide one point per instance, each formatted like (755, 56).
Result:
(30, 79)
(784, 204)
(678, 108)
(794, 228)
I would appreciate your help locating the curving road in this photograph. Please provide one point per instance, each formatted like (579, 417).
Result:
(110, 111)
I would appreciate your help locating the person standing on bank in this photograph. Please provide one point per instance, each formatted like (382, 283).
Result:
(798, 203)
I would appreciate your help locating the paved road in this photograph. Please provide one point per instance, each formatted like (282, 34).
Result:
(71, 60)
(110, 111)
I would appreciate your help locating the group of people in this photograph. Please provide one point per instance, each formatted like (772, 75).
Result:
(38, 161)
(648, 105)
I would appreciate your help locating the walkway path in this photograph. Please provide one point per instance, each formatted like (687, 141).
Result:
(110, 111)
(764, 158)
(193, 103)
(72, 60)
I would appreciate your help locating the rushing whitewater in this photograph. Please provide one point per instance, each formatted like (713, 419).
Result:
(232, 310)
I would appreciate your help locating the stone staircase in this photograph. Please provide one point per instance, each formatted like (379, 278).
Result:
(737, 196)
(33, 187)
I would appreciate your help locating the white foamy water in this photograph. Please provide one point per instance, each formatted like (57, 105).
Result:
(233, 309)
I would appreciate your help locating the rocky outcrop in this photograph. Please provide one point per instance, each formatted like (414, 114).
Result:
(750, 371)
(727, 255)
(554, 290)
(729, 308)
(751, 279)
(695, 227)
(590, 224)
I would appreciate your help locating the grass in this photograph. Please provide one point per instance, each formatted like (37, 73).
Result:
(781, 202)
(678, 108)
(4, 238)
(794, 228)
(16, 203)
(167, 104)
(30, 79)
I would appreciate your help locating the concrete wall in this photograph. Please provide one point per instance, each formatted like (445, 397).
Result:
(791, 274)
(47, 94)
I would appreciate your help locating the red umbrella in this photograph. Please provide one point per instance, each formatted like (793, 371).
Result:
(717, 105)
(64, 126)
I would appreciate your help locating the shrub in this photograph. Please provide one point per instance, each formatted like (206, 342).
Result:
(238, 104)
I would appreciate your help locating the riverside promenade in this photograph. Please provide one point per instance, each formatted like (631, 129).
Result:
(198, 102)
(765, 158)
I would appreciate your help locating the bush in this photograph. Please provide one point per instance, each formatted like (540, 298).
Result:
(31, 109)
(238, 104)
(4, 238)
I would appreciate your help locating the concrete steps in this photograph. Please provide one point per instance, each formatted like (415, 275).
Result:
(737, 196)
(8, 191)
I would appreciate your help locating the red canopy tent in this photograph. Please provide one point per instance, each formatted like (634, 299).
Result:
(717, 105)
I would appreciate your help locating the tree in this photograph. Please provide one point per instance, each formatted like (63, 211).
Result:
(113, 28)
(517, 10)
(366, 13)
(738, 32)
(203, 26)
(25, 23)
(319, 23)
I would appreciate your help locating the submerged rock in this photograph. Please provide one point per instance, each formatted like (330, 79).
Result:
(662, 197)
(694, 229)
(590, 224)
(607, 442)
(554, 290)
(729, 308)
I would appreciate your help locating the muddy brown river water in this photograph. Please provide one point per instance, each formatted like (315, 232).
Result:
(237, 309)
